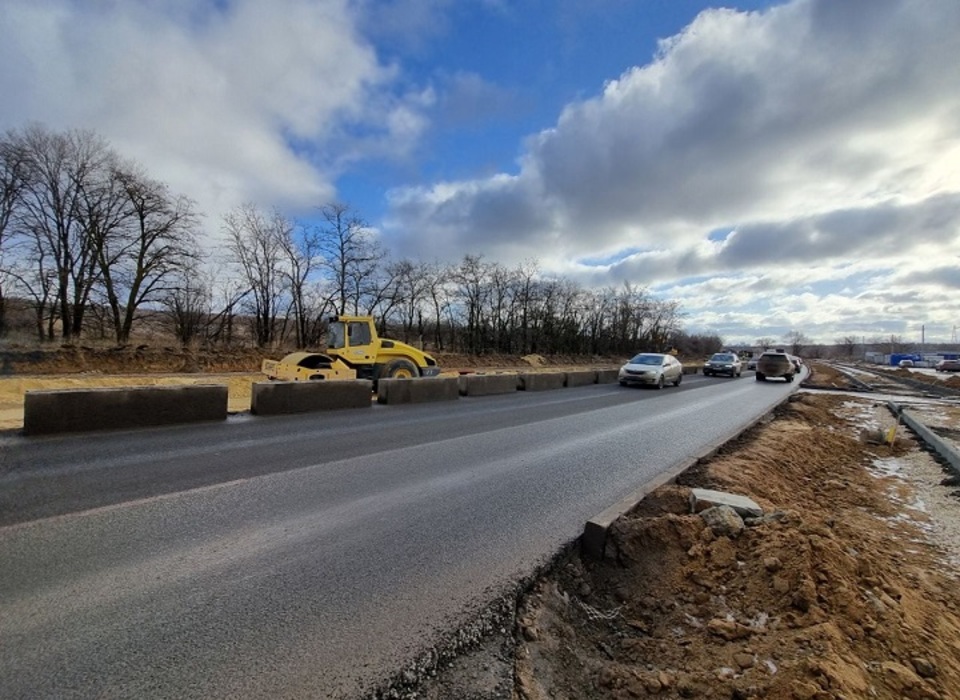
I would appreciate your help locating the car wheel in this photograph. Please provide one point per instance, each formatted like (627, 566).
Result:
(789, 378)
(623, 383)
(660, 382)
(679, 379)
(760, 377)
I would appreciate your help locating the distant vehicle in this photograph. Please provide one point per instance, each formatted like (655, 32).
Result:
(797, 362)
(905, 363)
(752, 362)
(651, 369)
(723, 363)
(775, 364)
(948, 366)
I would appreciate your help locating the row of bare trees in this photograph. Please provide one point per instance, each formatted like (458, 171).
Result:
(80, 227)
(86, 234)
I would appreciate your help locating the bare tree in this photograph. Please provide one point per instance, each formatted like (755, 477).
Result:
(303, 256)
(257, 243)
(527, 298)
(351, 256)
(12, 174)
(186, 303)
(436, 280)
(797, 341)
(847, 345)
(472, 282)
(63, 201)
(139, 260)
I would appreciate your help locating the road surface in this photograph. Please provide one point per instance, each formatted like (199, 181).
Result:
(317, 555)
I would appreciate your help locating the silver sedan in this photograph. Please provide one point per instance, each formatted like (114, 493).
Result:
(651, 369)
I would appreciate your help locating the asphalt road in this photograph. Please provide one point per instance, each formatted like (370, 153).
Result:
(312, 556)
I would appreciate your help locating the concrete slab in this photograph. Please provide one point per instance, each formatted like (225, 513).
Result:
(278, 398)
(398, 391)
(582, 377)
(607, 376)
(541, 381)
(702, 499)
(924, 432)
(82, 410)
(487, 384)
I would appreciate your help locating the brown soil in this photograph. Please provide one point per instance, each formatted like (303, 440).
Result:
(835, 593)
(952, 381)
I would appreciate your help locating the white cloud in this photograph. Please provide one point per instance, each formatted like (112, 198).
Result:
(227, 102)
(824, 135)
(822, 132)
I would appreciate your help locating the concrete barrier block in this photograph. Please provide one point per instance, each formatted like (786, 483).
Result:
(81, 410)
(487, 384)
(394, 391)
(541, 381)
(277, 398)
(608, 376)
(581, 377)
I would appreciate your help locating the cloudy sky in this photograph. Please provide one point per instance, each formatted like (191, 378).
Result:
(773, 166)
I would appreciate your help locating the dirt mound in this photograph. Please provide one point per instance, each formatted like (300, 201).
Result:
(818, 599)
(140, 359)
(127, 360)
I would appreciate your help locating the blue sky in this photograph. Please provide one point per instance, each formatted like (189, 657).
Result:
(773, 166)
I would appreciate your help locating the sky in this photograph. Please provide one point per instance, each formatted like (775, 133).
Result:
(772, 166)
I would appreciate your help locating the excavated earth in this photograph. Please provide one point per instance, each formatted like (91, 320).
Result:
(847, 587)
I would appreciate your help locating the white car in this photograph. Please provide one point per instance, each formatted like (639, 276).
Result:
(651, 369)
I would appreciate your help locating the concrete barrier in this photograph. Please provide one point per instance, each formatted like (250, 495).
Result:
(925, 433)
(394, 391)
(540, 381)
(81, 410)
(581, 377)
(487, 384)
(277, 398)
(608, 376)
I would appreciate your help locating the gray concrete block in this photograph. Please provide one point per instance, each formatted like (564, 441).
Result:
(277, 398)
(581, 377)
(487, 384)
(607, 376)
(81, 410)
(702, 499)
(394, 391)
(925, 433)
(541, 381)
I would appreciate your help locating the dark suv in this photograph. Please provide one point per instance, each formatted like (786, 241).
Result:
(775, 364)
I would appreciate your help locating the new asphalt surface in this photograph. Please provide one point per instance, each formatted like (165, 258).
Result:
(314, 555)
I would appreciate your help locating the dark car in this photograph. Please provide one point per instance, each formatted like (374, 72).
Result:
(948, 366)
(775, 364)
(723, 363)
